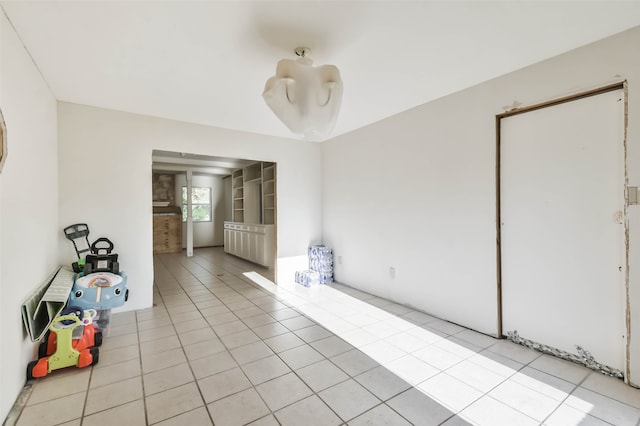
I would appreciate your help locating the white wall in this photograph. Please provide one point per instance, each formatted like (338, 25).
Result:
(28, 204)
(205, 234)
(417, 191)
(105, 180)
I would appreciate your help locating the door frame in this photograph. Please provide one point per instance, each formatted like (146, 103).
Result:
(622, 85)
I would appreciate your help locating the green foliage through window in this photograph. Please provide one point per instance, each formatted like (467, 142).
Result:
(200, 204)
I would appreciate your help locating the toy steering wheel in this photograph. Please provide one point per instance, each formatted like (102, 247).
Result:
(95, 247)
(65, 321)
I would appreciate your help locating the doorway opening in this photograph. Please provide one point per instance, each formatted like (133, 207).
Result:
(232, 202)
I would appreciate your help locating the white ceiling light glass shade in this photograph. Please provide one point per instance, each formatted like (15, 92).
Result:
(305, 98)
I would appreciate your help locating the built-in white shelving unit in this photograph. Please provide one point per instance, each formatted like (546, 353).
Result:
(251, 234)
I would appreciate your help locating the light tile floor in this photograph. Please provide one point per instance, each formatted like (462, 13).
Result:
(225, 346)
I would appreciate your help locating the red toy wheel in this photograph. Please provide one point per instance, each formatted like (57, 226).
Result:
(95, 355)
(39, 368)
(84, 359)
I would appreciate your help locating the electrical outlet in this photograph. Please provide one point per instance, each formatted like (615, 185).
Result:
(340, 260)
(392, 272)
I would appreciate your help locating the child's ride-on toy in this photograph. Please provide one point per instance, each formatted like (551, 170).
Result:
(88, 337)
(100, 291)
(101, 259)
(66, 354)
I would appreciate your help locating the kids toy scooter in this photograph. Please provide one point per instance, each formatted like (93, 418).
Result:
(66, 354)
(88, 338)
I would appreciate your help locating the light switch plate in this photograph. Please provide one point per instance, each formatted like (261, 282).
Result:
(633, 195)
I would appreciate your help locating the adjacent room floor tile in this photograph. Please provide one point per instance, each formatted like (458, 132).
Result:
(156, 346)
(560, 368)
(525, 400)
(283, 342)
(437, 357)
(475, 375)
(167, 378)
(238, 409)
(487, 412)
(53, 411)
(450, 392)
(265, 369)
(162, 360)
(58, 385)
(283, 390)
(199, 417)
(382, 352)
(105, 376)
(331, 346)
(115, 356)
(380, 415)
(354, 362)
(204, 348)
(418, 408)
(270, 330)
(544, 383)
(223, 384)
(172, 402)
(407, 342)
(300, 356)
(613, 388)
(195, 336)
(382, 383)
(240, 338)
(118, 393)
(515, 352)
(603, 407)
(349, 399)
(312, 333)
(251, 352)
(411, 369)
(322, 375)
(130, 414)
(566, 415)
(311, 411)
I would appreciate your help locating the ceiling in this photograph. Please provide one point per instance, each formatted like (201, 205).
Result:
(206, 62)
(180, 162)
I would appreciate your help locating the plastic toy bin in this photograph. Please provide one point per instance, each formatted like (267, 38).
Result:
(103, 321)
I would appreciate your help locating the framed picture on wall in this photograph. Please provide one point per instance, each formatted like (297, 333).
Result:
(3, 141)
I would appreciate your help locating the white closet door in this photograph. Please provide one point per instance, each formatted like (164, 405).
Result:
(562, 235)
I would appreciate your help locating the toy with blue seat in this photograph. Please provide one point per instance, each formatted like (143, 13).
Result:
(99, 290)
(98, 284)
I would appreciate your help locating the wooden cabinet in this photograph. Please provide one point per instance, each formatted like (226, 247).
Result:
(167, 230)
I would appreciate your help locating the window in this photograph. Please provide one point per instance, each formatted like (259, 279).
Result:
(200, 204)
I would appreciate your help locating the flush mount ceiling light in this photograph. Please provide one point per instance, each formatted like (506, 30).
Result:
(305, 98)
